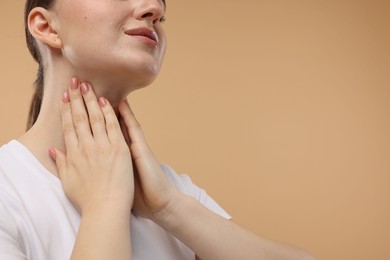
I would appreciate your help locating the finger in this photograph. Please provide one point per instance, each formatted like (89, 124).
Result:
(124, 130)
(79, 112)
(112, 124)
(59, 158)
(96, 117)
(70, 136)
(133, 127)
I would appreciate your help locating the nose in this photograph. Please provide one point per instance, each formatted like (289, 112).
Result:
(151, 10)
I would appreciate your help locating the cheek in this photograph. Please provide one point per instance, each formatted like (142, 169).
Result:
(85, 40)
(82, 18)
(163, 46)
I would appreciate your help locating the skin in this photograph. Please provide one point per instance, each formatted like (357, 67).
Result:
(104, 162)
(95, 174)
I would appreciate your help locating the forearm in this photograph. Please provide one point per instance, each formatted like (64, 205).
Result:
(213, 237)
(104, 234)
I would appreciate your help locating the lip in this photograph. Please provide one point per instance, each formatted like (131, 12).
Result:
(145, 35)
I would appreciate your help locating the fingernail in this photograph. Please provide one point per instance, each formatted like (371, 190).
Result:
(84, 87)
(65, 97)
(52, 153)
(74, 83)
(102, 101)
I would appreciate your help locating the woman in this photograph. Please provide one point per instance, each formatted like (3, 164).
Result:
(82, 183)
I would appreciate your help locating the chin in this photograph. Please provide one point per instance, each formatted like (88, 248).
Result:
(117, 86)
(116, 80)
(143, 75)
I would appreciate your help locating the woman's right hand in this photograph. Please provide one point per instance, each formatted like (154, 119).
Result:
(96, 174)
(96, 168)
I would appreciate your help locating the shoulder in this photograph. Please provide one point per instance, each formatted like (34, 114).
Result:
(6, 163)
(7, 153)
(4, 150)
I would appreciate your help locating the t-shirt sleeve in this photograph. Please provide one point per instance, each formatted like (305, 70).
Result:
(184, 183)
(9, 246)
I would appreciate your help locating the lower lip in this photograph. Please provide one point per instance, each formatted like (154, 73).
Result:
(146, 40)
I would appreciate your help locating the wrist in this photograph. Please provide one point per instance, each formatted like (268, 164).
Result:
(178, 208)
(120, 207)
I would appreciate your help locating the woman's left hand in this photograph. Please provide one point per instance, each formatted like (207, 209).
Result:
(154, 196)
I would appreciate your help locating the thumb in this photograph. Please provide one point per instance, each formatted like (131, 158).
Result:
(134, 129)
(59, 158)
(124, 130)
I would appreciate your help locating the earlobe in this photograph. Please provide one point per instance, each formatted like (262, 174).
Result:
(42, 27)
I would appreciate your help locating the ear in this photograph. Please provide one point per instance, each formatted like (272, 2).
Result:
(43, 28)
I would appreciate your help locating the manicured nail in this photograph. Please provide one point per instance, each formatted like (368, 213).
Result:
(52, 153)
(65, 97)
(84, 87)
(74, 83)
(102, 101)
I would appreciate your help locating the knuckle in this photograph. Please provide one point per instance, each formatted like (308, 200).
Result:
(108, 112)
(120, 148)
(89, 96)
(80, 119)
(67, 128)
(74, 95)
(112, 126)
(90, 100)
(65, 108)
(96, 119)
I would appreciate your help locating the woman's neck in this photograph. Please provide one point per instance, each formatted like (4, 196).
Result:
(47, 130)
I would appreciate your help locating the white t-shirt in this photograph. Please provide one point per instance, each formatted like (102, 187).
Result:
(38, 222)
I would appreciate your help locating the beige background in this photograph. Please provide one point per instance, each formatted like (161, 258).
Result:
(279, 109)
